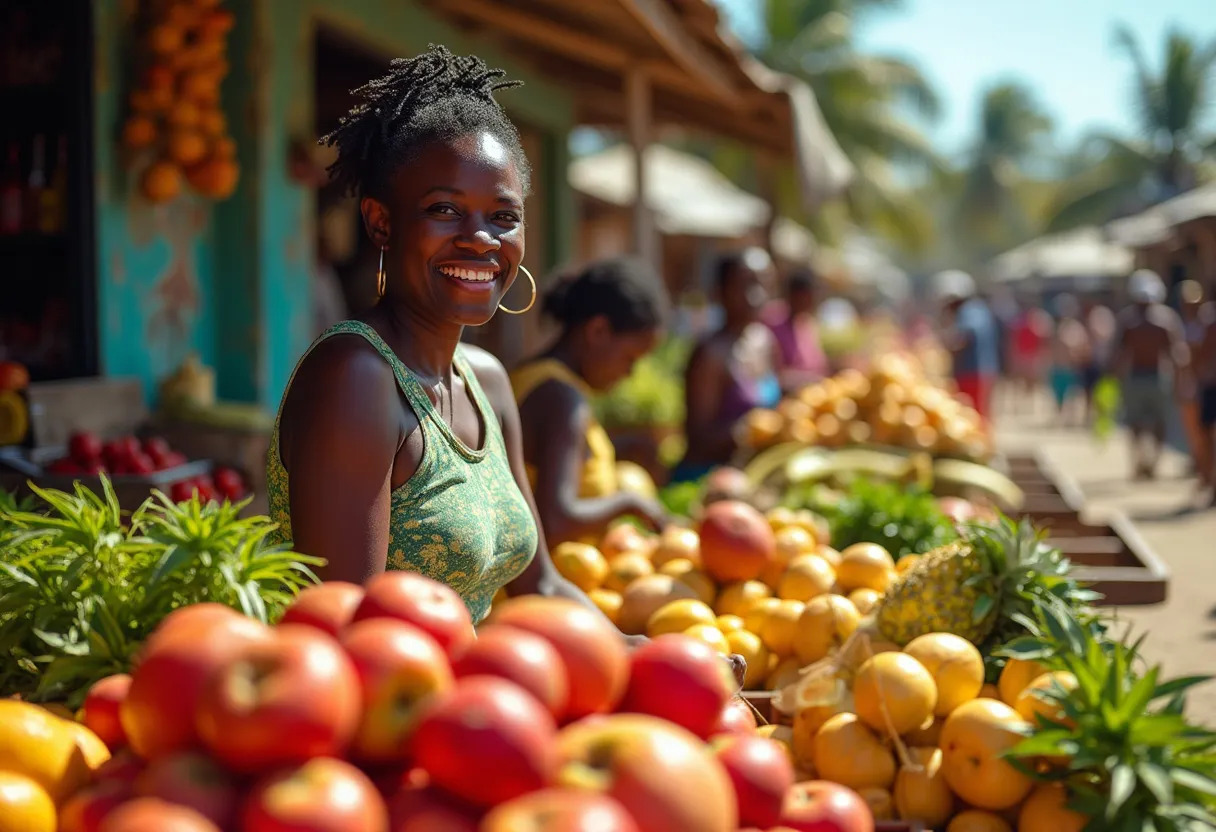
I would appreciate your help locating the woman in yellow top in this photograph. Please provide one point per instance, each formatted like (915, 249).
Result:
(611, 315)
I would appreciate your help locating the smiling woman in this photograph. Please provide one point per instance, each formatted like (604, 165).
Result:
(397, 446)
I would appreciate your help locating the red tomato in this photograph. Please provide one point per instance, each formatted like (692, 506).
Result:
(229, 483)
(84, 447)
(141, 464)
(181, 491)
(156, 448)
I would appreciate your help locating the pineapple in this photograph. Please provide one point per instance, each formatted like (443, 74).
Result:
(976, 587)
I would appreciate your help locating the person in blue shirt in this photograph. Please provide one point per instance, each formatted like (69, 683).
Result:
(971, 337)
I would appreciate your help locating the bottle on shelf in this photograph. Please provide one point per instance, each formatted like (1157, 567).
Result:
(36, 183)
(52, 212)
(11, 202)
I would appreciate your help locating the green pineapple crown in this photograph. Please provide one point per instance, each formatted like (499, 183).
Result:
(1133, 760)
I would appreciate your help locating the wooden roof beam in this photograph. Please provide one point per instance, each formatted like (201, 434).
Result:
(672, 34)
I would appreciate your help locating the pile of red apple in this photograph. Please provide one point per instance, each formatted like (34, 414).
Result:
(132, 456)
(380, 709)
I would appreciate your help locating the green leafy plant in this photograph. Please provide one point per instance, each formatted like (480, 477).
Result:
(653, 394)
(903, 520)
(1134, 762)
(81, 585)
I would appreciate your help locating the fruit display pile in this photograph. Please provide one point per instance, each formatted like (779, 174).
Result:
(377, 708)
(132, 456)
(894, 403)
(968, 687)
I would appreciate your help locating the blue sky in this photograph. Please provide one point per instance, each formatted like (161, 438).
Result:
(1062, 48)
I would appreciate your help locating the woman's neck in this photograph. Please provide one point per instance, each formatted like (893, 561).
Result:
(425, 347)
(567, 353)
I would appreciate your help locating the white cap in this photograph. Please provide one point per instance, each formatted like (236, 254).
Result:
(953, 284)
(1145, 286)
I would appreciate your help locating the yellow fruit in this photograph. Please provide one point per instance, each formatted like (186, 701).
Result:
(865, 566)
(973, 741)
(975, 820)
(865, 600)
(581, 564)
(212, 123)
(807, 723)
(759, 613)
(609, 603)
(954, 663)
(677, 542)
(684, 570)
(729, 623)
(893, 692)
(625, 569)
(813, 523)
(780, 518)
(625, 538)
(780, 630)
(138, 132)
(806, 577)
(784, 673)
(711, 635)
(921, 792)
(928, 735)
(1047, 809)
(644, 596)
(882, 807)
(55, 753)
(186, 146)
(678, 616)
(738, 598)
(1029, 705)
(849, 753)
(829, 554)
(905, 563)
(1015, 676)
(752, 649)
(24, 805)
(794, 541)
(990, 691)
(826, 622)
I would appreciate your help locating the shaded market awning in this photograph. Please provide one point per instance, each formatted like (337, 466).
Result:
(686, 194)
(1156, 224)
(1081, 253)
(648, 64)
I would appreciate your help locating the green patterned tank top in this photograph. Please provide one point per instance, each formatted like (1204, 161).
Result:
(461, 518)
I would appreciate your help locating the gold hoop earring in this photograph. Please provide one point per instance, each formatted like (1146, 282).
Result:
(532, 301)
(381, 276)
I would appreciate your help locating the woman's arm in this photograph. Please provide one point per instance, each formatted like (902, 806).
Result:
(339, 434)
(554, 441)
(704, 386)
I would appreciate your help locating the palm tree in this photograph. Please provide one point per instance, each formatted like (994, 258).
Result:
(1166, 158)
(861, 97)
(990, 212)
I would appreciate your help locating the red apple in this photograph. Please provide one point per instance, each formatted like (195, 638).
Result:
(821, 806)
(761, 773)
(329, 606)
(123, 767)
(737, 541)
(101, 709)
(150, 814)
(486, 741)
(322, 795)
(158, 713)
(592, 650)
(427, 809)
(429, 605)
(194, 780)
(680, 679)
(666, 778)
(400, 670)
(85, 810)
(560, 810)
(520, 657)
(282, 702)
(737, 718)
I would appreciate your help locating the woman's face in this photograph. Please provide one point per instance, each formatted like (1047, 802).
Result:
(454, 229)
(613, 354)
(745, 292)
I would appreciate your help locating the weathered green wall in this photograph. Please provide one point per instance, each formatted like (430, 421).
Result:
(233, 279)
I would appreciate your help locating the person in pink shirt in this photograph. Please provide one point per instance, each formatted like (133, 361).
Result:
(796, 332)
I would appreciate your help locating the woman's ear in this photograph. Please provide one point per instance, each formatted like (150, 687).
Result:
(376, 220)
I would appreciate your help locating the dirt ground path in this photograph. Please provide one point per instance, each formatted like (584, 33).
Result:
(1181, 631)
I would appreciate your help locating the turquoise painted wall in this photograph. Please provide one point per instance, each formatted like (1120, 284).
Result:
(231, 281)
(154, 264)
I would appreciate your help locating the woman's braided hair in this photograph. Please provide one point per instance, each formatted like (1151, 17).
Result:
(434, 96)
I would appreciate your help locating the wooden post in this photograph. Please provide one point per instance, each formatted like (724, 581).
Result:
(766, 167)
(638, 114)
